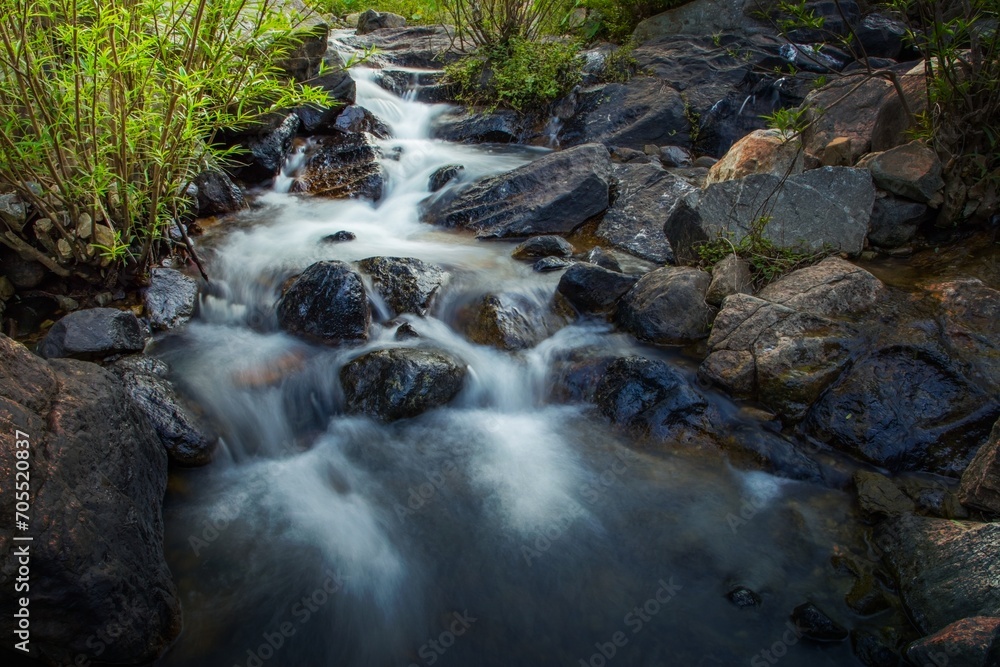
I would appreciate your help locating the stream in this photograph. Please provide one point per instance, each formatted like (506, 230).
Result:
(507, 528)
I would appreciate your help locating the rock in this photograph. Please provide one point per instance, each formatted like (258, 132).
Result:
(879, 497)
(576, 372)
(648, 396)
(752, 447)
(217, 194)
(675, 156)
(905, 407)
(429, 86)
(341, 166)
(826, 208)
(357, 120)
(667, 306)
(702, 17)
(507, 321)
(93, 334)
(964, 643)
(880, 36)
(503, 126)
(98, 477)
(543, 246)
(336, 81)
(187, 440)
(304, 52)
(946, 570)
(339, 237)
(401, 382)
(873, 651)
(425, 47)
(866, 596)
(837, 153)
(912, 171)
(549, 264)
(621, 155)
(603, 259)
(743, 597)
(444, 176)
(643, 111)
(835, 20)
(634, 223)
(760, 152)
(814, 624)
(406, 284)
(872, 116)
(592, 289)
(327, 302)
(170, 298)
(981, 480)
(968, 314)
(731, 275)
(552, 195)
(405, 331)
(13, 211)
(832, 288)
(371, 20)
(895, 222)
(266, 146)
(22, 273)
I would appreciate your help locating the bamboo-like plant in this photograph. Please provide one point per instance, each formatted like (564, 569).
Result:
(108, 109)
(497, 23)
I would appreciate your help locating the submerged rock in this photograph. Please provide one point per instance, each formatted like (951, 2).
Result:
(879, 496)
(170, 298)
(407, 285)
(507, 321)
(328, 303)
(743, 597)
(668, 307)
(401, 382)
(550, 264)
(814, 624)
(444, 176)
(93, 333)
(503, 126)
(343, 165)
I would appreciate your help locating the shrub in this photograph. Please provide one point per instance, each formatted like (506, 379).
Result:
(499, 23)
(616, 19)
(415, 11)
(108, 109)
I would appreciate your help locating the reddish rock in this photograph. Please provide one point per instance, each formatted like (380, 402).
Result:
(760, 152)
(965, 643)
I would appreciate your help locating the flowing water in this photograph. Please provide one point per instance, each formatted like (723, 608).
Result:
(505, 529)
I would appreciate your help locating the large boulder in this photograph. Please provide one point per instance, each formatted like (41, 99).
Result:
(342, 165)
(401, 382)
(981, 480)
(264, 145)
(880, 36)
(304, 50)
(634, 223)
(895, 222)
(971, 642)
(406, 284)
(507, 321)
(328, 303)
(593, 289)
(93, 333)
(170, 298)
(946, 570)
(98, 475)
(821, 209)
(760, 152)
(643, 111)
(912, 171)
(216, 194)
(372, 20)
(832, 288)
(668, 307)
(701, 17)
(476, 126)
(552, 195)
(425, 47)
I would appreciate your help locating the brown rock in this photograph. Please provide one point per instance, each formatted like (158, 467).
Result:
(964, 643)
(837, 153)
(912, 171)
(760, 152)
(730, 276)
(668, 307)
(832, 288)
(980, 487)
(878, 496)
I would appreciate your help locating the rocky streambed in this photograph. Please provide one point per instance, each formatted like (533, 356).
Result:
(453, 399)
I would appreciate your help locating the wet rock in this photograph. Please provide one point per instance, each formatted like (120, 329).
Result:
(405, 331)
(170, 299)
(880, 36)
(550, 264)
(356, 120)
(97, 497)
(592, 289)
(328, 303)
(873, 651)
(552, 195)
(187, 440)
(981, 480)
(13, 211)
(266, 146)
(823, 208)
(701, 17)
(965, 643)
(407, 285)
(93, 333)
(756, 448)
(946, 570)
(905, 408)
(371, 20)
(620, 155)
(730, 276)
(832, 288)
(643, 111)
(866, 596)
(912, 171)
(675, 156)
(339, 237)
(603, 259)
(648, 396)
(760, 152)
(341, 166)
(879, 497)
(668, 307)
(444, 176)
(744, 598)
(304, 54)
(576, 373)
(336, 81)
(507, 321)
(217, 194)
(895, 222)
(969, 318)
(634, 223)
(503, 126)
(401, 382)
(814, 624)
(543, 246)
(426, 47)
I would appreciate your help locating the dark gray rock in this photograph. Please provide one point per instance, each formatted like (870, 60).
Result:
(814, 624)
(675, 156)
(502, 126)
(22, 273)
(552, 195)
(576, 373)
(701, 17)
(668, 307)
(895, 221)
(399, 383)
(356, 120)
(13, 210)
(543, 246)
(96, 497)
(93, 333)
(336, 81)
(266, 146)
(305, 49)
(186, 438)
(444, 176)
(730, 276)
(743, 597)
(170, 298)
(912, 170)
(371, 20)
(217, 194)
(981, 480)
(874, 651)
(603, 259)
(507, 321)
(327, 303)
(879, 497)
(426, 47)
(964, 643)
(405, 331)
(406, 284)
(593, 289)
(339, 237)
(550, 264)
(946, 570)
(879, 36)
(344, 165)
(645, 194)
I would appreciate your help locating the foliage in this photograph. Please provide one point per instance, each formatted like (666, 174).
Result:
(108, 108)
(790, 122)
(768, 262)
(620, 65)
(523, 75)
(499, 23)
(415, 11)
(616, 19)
